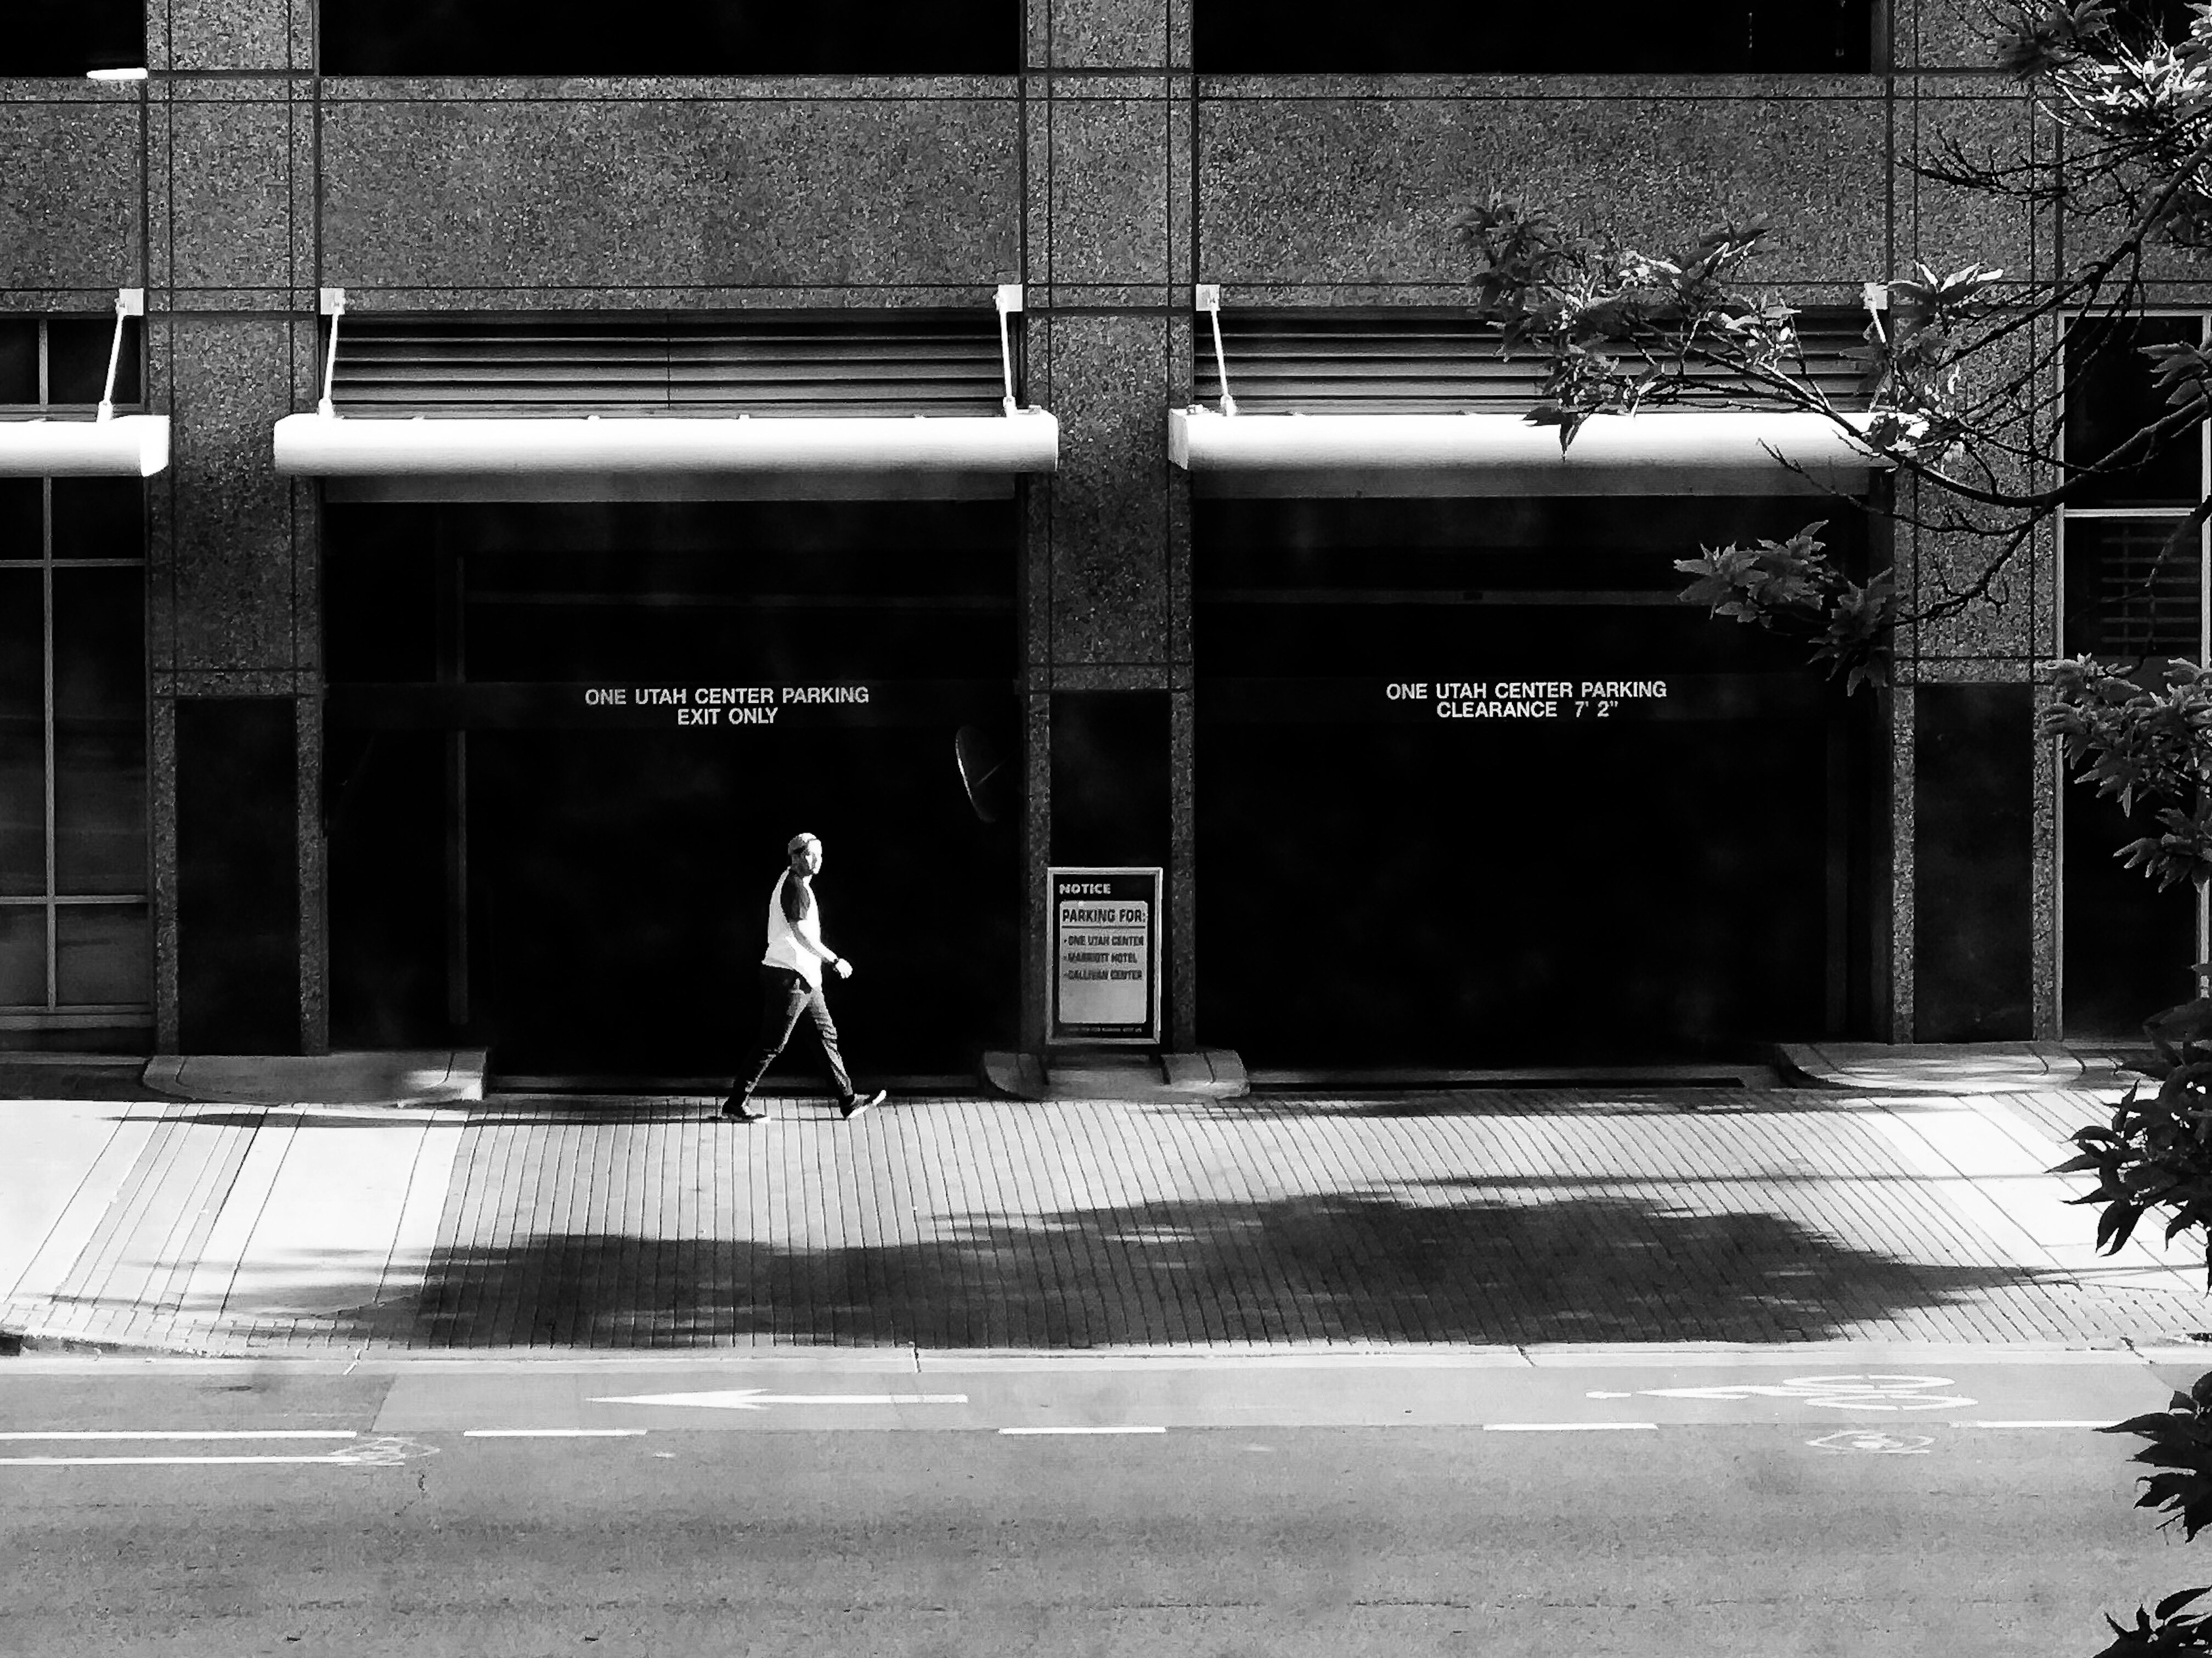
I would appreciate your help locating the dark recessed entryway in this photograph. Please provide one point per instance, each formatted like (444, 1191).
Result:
(1474, 787)
(568, 744)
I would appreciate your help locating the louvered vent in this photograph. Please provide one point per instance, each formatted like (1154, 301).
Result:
(1412, 362)
(902, 362)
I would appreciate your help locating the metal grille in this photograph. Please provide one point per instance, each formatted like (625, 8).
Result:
(907, 363)
(1418, 362)
(2128, 597)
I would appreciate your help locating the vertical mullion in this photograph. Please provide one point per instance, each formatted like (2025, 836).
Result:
(46, 688)
(2058, 644)
(2204, 642)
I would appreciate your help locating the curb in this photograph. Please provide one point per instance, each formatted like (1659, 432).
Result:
(13, 1344)
(902, 1360)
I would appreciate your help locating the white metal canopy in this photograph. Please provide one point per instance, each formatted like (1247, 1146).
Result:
(327, 445)
(125, 446)
(673, 456)
(1684, 452)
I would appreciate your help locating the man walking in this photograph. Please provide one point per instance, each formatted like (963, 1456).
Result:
(791, 984)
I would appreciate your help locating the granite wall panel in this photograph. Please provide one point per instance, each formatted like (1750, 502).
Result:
(313, 883)
(1181, 191)
(69, 194)
(225, 35)
(1107, 34)
(2044, 897)
(712, 193)
(1353, 190)
(1036, 861)
(1181, 329)
(1947, 226)
(1549, 88)
(304, 21)
(235, 574)
(1037, 16)
(1182, 874)
(161, 861)
(1942, 34)
(1110, 191)
(1109, 589)
(1998, 623)
(228, 188)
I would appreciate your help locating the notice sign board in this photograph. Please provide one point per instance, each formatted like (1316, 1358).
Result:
(1105, 955)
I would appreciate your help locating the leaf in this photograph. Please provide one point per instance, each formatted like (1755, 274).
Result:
(2180, 1598)
(2115, 1226)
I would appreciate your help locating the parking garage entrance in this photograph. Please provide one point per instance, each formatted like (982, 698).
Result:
(566, 744)
(1474, 787)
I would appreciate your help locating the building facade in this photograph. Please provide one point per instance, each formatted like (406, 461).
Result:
(306, 749)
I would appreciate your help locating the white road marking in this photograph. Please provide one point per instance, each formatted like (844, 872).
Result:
(1873, 1391)
(1124, 1428)
(193, 1433)
(385, 1452)
(1865, 1439)
(754, 1398)
(162, 1461)
(1561, 1427)
(2027, 1422)
(551, 1433)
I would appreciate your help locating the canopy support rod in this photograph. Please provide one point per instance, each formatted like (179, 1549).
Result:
(129, 302)
(1009, 301)
(1209, 300)
(333, 307)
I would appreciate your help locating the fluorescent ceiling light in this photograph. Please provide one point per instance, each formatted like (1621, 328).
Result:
(115, 74)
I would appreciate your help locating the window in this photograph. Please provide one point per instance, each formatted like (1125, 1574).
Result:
(669, 37)
(2123, 944)
(70, 37)
(75, 947)
(2125, 596)
(1605, 37)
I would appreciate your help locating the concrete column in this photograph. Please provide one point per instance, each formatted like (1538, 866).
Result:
(229, 214)
(1107, 263)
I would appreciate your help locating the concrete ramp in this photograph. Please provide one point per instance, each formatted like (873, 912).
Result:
(1212, 1073)
(384, 1077)
(1952, 1068)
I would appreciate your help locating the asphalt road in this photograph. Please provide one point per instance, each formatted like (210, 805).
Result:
(1771, 1504)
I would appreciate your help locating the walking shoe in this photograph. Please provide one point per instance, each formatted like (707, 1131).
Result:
(857, 1103)
(735, 1111)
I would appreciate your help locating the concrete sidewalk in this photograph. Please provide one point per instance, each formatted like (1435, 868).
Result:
(1490, 1216)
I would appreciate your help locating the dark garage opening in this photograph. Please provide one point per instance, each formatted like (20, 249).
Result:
(535, 848)
(1637, 877)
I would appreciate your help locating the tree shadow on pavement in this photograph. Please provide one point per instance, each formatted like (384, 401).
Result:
(1534, 1099)
(1333, 1268)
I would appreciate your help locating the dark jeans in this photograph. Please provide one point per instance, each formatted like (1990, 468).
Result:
(784, 996)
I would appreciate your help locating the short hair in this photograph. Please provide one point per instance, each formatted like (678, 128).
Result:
(793, 846)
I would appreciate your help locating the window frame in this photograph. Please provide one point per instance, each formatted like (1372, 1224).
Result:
(2069, 515)
(57, 1015)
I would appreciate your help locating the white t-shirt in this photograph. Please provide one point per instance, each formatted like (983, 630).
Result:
(784, 948)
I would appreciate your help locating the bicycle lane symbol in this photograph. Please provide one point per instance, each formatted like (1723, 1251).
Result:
(1873, 1439)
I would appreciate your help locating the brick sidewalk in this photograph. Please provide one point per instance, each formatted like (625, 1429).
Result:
(1505, 1218)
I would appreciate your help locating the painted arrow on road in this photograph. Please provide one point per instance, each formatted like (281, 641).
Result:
(754, 1398)
(384, 1451)
(1862, 1392)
